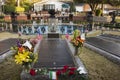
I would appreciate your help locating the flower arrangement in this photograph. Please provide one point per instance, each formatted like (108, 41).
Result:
(66, 71)
(24, 54)
(77, 41)
(69, 73)
(41, 71)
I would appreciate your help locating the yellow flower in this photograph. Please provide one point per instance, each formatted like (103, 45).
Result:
(24, 56)
(18, 59)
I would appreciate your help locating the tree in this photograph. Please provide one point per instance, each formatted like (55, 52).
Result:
(92, 3)
(10, 2)
(114, 2)
(8, 9)
(9, 6)
(26, 4)
(72, 7)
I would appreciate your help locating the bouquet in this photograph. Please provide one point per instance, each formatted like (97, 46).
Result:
(24, 54)
(77, 41)
(70, 73)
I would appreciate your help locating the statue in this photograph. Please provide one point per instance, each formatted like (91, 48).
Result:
(52, 13)
(113, 15)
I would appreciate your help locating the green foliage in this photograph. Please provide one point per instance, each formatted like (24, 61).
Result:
(9, 9)
(27, 6)
(76, 33)
(72, 7)
(10, 6)
(1, 17)
(10, 2)
(98, 12)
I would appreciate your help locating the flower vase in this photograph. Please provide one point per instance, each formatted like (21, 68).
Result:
(26, 68)
(76, 50)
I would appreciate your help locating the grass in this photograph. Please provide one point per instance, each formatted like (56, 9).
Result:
(98, 32)
(95, 33)
(9, 70)
(6, 35)
(99, 68)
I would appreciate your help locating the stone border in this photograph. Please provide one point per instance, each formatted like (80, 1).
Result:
(104, 53)
(5, 55)
(36, 47)
(76, 59)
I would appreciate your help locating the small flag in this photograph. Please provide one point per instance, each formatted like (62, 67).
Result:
(52, 75)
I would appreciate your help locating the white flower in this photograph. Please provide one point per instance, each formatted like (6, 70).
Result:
(81, 70)
(27, 44)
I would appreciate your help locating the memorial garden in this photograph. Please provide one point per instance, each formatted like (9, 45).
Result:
(59, 40)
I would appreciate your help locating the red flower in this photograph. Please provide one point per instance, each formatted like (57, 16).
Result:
(78, 37)
(72, 69)
(66, 67)
(32, 72)
(58, 72)
(64, 70)
(71, 73)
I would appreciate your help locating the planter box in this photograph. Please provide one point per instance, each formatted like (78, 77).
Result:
(7, 18)
(24, 17)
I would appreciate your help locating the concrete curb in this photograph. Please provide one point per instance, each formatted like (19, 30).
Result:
(5, 55)
(110, 39)
(109, 56)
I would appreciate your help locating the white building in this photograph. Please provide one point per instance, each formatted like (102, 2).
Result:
(50, 4)
(82, 7)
